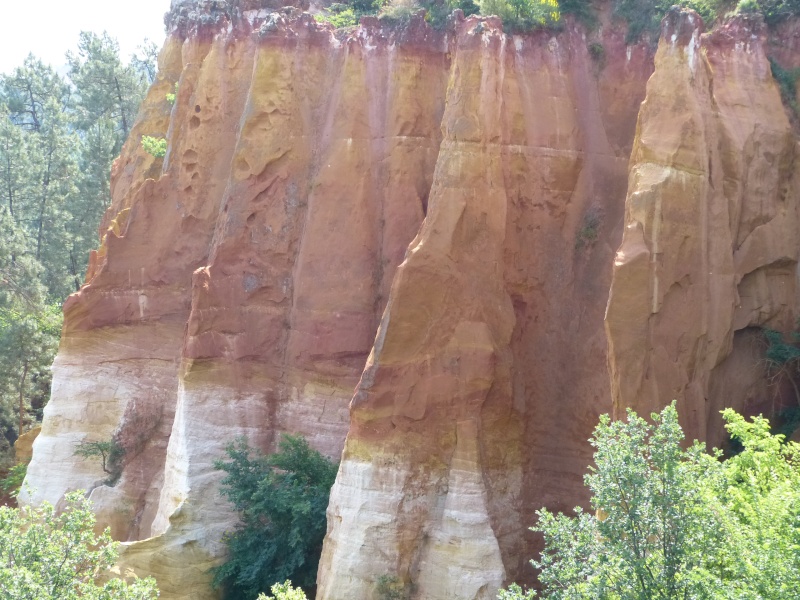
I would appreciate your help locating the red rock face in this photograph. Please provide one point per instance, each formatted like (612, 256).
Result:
(488, 371)
(461, 193)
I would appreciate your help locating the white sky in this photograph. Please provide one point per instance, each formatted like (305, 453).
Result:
(49, 28)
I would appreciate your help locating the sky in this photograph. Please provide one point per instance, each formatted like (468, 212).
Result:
(49, 28)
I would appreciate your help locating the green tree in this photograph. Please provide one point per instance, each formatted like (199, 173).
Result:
(523, 14)
(33, 94)
(58, 139)
(39, 167)
(29, 333)
(673, 523)
(644, 16)
(109, 452)
(145, 61)
(107, 88)
(58, 556)
(774, 11)
(156, 147)
(281, 499)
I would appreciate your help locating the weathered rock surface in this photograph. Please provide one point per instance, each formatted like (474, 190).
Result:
(711, 228)
(462, 194)
(23, 447)
(488, 370)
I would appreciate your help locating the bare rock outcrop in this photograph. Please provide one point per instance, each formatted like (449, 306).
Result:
(711, 227)
(462, 193)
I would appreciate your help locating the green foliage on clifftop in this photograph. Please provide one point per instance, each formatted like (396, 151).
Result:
(281, 500)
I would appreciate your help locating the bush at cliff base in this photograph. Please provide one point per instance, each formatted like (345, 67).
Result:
(44, 555)
(671, 523)
(281, 500)
(284, 591)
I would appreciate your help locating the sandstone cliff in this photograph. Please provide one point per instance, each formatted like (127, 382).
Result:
(461, 193)
(711, 228)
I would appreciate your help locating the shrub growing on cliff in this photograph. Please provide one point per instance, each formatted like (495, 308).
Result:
(523, 14)
(774, 11)
(58, 556)
(644, 16)
(154, 146)
(110, 454)
(12, 482)
(672, 523)
(281, 499)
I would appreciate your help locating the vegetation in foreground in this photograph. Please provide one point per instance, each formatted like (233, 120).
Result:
(281, 499)
(671, 523)
(59, 557)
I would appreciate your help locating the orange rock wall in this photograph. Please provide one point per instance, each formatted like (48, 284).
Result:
(461, 193)
(711, 228)
(488, 370)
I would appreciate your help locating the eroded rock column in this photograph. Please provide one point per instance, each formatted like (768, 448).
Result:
(710, 244)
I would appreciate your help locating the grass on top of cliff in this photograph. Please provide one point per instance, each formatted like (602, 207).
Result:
(281, 499)
(517, 15)
(673, 523)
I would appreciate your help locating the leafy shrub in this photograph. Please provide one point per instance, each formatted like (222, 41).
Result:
(399, 10)
(597, 52)
(644, 16)
(154, 146)
(11, 484)
(284, 591)
(774, 11)
(170, 96)
(344, 17)
(110, 454)
(789, 419)
(590, 227)
(45, 555)
(748, 6)
(582, 10)
(787, 81)
(678, 523)
(281, 499)
(468, 7)
(522, 15)
(389, 587)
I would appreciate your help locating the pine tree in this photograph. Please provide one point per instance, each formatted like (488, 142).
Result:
(107, 88)
(58, 139)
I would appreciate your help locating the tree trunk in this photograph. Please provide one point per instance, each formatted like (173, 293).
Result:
(121, 109)
(43, 204)
(36, 124)
(22, 398)
(10, 188)
(74, 270)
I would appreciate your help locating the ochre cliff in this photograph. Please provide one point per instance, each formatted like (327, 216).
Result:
(711, 228)
(400, 243)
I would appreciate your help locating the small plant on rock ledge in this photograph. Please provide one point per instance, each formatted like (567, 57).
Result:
(590, 229)
(154, 146)
(598, 53)
(170, 96)
(110, 454)
(390, 587)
